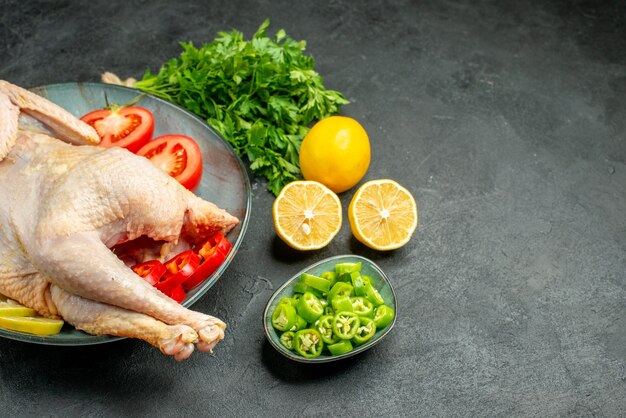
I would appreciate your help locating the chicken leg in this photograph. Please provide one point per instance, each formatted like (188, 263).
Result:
(99, 318)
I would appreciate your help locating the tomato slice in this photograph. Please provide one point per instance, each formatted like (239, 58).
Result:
(151, 271)
(213, 253)
(177, 155)
(128, 127)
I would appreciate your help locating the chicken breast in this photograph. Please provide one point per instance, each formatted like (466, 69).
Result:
(62, 207)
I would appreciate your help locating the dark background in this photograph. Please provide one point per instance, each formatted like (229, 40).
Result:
(506, 120)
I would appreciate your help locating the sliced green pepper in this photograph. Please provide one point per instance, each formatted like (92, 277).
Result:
(362, 306)
(345, 277)
(323, 285)
(325, 327)
(366, 279)
(328, 310)
(308, 343)
(383, 317)
(357, 283)
(373, 296)
(287, 339)
(296, 297)
(342, 268)
(331, 276)
(342, 303)
(366, 330)
(288, 301)
(342, 347)
(340, 289)
(309, 307)
(300, 324)
(302, 288)
(345, 324)
(284, 317)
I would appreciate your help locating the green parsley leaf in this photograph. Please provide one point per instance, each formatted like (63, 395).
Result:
(261, 95)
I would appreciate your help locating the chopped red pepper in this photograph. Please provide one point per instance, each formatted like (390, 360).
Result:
(183, 265)
(187, 269)
(178, 269)
(178, 294)
(213, 253)
(217, 242)
(168, 283)
(150, 271)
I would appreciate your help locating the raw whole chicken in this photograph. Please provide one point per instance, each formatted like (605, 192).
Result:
(63, 207)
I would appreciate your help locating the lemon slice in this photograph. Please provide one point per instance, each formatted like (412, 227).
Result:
(14, 309)
(31, 325)
(307, 215)
(383, 215)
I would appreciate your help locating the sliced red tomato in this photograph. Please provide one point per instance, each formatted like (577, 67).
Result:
(128, 127)
(213, 253)
(177, 155)
(150, 271)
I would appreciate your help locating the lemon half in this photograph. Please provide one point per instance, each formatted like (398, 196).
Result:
(383, 215)
(307, 215)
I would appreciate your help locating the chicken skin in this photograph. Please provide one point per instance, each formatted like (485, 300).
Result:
(63, 207)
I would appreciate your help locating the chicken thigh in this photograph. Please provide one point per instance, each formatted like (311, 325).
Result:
(63, 207)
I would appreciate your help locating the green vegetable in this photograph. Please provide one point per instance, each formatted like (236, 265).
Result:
(362, 306)
(325, 327)
(345, 324)
(260, 94)
(287, 339)
(340, 289)
(302, 288)
(365, 332)
(342, 347)
(358, 283)
(308, 343)
(342, 268)
(284, 317)
(373, 295)
(309, 307)
(323, 285)
(331, 276)
(342, 303)
(300, 324)
(383, 317)
(333, 321)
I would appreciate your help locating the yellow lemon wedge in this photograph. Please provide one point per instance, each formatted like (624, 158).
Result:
(382, 215)
(14, 309)
(307, 215)
(31, 325)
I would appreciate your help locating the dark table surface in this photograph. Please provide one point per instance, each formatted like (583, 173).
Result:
(506, 120)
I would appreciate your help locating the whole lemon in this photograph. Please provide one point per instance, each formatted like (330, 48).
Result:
(336, 153)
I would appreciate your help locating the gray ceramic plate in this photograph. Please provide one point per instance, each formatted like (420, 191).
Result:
(368, 268)
(224, 180)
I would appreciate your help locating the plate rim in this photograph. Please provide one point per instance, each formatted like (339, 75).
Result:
(101, 339)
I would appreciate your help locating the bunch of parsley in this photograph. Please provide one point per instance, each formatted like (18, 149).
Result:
(261, 95)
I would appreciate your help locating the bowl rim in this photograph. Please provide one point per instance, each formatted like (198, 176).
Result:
(327, 359)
